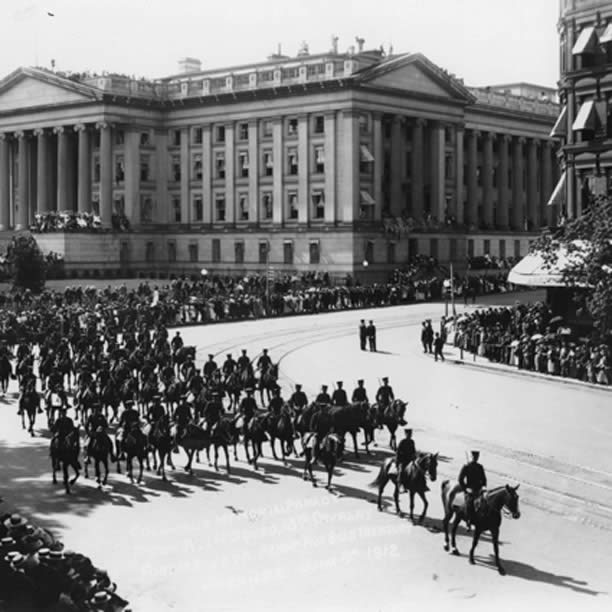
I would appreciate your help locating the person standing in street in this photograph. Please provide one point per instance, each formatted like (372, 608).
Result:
(438, 346)
(371, 331)
(363, 334)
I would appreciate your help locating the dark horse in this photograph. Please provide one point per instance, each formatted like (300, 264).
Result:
(281, 427)
(223, 434)
(193, 438)
(160, 440)
(268, 381)
(233, 387)
(413, 478)
(487, 515)
(329, 452)
(392, 417)
(100, 450)
(65, 453)
(29, 403)
(255, 433)
(135, 445)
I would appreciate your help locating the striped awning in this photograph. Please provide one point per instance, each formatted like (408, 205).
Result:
(560, 128)
(558, 193)
(586, 118)
(606, 37)
(585, 42)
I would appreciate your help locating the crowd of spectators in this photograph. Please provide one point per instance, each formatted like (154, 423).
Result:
(71, 221)
(37, 574)
(491, 262)
(529, 337)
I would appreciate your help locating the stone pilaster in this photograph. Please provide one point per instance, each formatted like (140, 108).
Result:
(186, 208)
(62, 168)
(487, 179)
(106, 172)
(253, 172)
(84, 169)
(42, 171)
(438, 183)
(503, 195)
(416, 170)
(533, 202)
(279, 167)
(132, 175)
(303, 170)
(397, 168)
(21, 213)
(518, 208)
(5, 182)
(459, 161)
(472, 177)
(549, 212)
(379, 155)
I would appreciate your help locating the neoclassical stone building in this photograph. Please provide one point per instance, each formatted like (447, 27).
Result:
(301, 163)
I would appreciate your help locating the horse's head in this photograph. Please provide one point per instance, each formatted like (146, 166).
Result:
(511, 501)
(432, 467)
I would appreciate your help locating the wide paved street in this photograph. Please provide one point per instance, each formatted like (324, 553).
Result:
(269, 540)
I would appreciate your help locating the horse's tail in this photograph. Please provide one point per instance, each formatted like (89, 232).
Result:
(380, 480)
(444, 492)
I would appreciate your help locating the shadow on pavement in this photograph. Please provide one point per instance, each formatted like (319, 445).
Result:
(529, 572)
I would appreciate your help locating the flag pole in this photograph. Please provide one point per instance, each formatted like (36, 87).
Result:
(452, 292)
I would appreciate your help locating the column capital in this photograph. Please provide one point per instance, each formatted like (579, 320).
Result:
(20, 135)
(399, 119)
(350, 113)
(59, 129)
(420, 122)
(475, 133)
(488, 136)
(548, 144)
(459, 127)
(520, 140)
(4, 136)
(80, 127)
(504, 137)
(534, 142)
(103, 125)
(39, 132)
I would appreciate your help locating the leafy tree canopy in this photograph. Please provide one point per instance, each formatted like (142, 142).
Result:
(586, 247)
(29, 268)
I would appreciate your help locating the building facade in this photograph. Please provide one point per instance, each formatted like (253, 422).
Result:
(584, 125)
(331, 161)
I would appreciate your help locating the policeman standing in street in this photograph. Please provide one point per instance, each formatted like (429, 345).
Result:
(363, 335)
(371, 332)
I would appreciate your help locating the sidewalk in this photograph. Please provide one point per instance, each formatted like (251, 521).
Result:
(452, 354)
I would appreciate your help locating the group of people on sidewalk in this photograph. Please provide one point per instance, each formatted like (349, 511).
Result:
(530, 337)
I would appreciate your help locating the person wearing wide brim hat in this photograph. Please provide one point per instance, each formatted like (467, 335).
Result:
(100, 600)
(15, 524)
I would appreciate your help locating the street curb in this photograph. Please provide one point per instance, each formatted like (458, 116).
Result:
(533, 375)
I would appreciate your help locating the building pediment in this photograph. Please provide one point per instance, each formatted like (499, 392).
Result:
(29, 88)
(414, 73)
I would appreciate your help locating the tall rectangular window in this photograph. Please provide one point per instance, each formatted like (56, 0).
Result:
(502, 249)
(487, 247)
(292, 161)
(239, 252)
(145, 139)
(220, 207)
(196, 135)
(319, 158)
(314, 252)
(175, 169)
(176, 138)
(293, 205)
(288, 252)
(216, 250)
(266, 205)
(267, 128)
(145, 168)
(146, 209)
(243, 131)
(96, 169)
(268, 163)
(292, 127)
(197, 166)
(119, 137)
(517, 249)
(176, 209)
(119, 169)
(433, 248)
(193, 252)
(319, 124)
(220, 133)
(369, 251)
(318, 204)
(243, 164)
(171, 251)
(243, 207)
(364, 124)
(391, 252)
(220, 165)
(470, 248)
(150, 252)
(264, 247)
(198, 208)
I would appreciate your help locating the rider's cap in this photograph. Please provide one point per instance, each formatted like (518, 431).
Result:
(475, 453)
(265, 350)
(211, 356)
(386, 379)
(408, 430)
(100, 597)
(184, 396)
(298, 386)
(157, 397)
(244, 351)
(229, 355)
(324, 387)
(339, 383)
(360, 381)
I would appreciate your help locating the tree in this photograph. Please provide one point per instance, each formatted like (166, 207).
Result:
(29, 269)
(586, 247)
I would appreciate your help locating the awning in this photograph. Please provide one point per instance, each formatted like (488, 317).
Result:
(367, 199)
(587, 117)
(560, 128)
(559, 191)
(366, 156)
(606, 37)
(585, 41)
(533, 271)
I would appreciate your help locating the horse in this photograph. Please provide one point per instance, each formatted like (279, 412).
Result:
(487, 515)
(281, 427)
(268, 381)
(233, 388)
(128, 390)
(348, 419)
(413, 478)
(149, 389)
(53, 402)
(180, 357)
(192, 438)
(100, 449)
(64, 367)
(64, 453)
(29, 403)
(173, 393)
(6, 372)
(110, 397)
(85, 398)
(223, 433)
(392, 417)
(160, 440)
(255, 433)
(329, 452)
(135, 445)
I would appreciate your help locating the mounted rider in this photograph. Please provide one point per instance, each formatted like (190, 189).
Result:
(473, 481)
(156, 410)
(359, 393)
(182, 417)
(229, 365)
(405, 453)
(384, 395)
(248, 407)
(196, 384)
(244, 363)
(97, 424)
(339, 397)
(276, 403)
(323, 397)
(264, 362)
(213, 412)
(177, 343)
(129, 418)
(188, 368)
(210, 367)
(298, 399)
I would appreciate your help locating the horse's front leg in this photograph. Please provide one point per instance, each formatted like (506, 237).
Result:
(66, 480)
(273, 445)
(216, 457)
(396, 495)
(141, 463)
(475, 539)
(454, 533)
(354, 435)
(425, 506)
(54, 468)
(445, 522)
(495, 537)
(330, 472)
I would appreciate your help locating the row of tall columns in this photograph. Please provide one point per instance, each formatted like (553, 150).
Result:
(48, 179)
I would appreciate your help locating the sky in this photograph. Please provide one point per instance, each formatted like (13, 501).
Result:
(485, 42)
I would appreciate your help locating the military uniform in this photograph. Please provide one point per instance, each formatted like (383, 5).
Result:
(323, 397)
(244, 363)
(229, 365)
(384, 395)
(276, 405)
(298, 399)
(472, 479)
(339, 397)
(156, 412)
(359, 394)
(209, 367)
(264, 362)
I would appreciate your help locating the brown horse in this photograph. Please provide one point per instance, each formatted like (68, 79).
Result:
(486, 517)
(413, 478)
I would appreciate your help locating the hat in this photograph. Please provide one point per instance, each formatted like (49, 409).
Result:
(298, 386)
(11, 556)
(43, 553)
(265, 350)
(408, 430)
(244, 351)
(475, 453)
(360, 381)
(184, 396)
(216, 394)
(385, 379)
(211, 356)
(15, 522)
(339, 383)
(100, 597)
(157, 397)
(324, 387)
(56, 555)
(229, 355)
(249, 390)
(128, 403)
